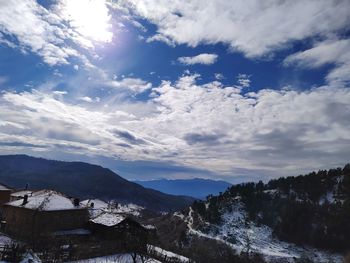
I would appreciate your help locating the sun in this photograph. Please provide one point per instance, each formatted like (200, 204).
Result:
(89, 18)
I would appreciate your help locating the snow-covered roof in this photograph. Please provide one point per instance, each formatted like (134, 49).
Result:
(98, 204)
(22, 193)
(108, 219)
(169, 255)
(46, 200)
(4, 188)
(130, 209)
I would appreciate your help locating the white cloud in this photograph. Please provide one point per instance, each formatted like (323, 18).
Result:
(135, 85)
(253, 27)
(89, 99)
(86, 99)
(60, 92)
(244, 80)
(46, 32)
(219, 76)
(162, 38)
(36, 33)
(205, 59)
(208, 126)
(335, 52)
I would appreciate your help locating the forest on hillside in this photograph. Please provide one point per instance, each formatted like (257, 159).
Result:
(311, 209)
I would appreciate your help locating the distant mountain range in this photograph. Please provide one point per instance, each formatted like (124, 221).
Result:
(83, 180)
(197, 187)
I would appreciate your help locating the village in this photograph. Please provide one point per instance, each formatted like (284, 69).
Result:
(60, 228)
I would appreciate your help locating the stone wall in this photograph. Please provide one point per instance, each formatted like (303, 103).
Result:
(23, 223)
(5, 196)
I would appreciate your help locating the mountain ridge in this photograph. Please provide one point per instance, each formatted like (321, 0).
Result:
(196, 187)
(83, 180)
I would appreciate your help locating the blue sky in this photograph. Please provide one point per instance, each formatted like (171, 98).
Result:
(240, 91)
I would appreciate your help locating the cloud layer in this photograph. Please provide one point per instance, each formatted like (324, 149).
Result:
(253, 27)
(209, 126)
(189, 121)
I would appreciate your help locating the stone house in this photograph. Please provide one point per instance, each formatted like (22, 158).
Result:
(41, 213)
(5, 194)
(122, 229)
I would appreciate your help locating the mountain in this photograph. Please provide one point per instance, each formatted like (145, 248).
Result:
(198, 188)
(295, 219)
(83, 180)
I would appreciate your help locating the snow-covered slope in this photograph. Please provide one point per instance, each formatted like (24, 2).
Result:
(243, 235)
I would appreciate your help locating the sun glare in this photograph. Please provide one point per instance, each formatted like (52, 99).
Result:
(90, 18)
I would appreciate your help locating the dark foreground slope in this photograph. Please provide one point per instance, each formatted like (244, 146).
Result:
(197, 187)
(83, 180)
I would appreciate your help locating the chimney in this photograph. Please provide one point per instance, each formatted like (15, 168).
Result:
(25, 199)
(92, 205)
(76, 202)
(27, 186)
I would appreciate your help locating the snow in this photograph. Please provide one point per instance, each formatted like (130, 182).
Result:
(239, 233)
(149, 227)
(30, 258)
(4, 188)
(46, 200)
(178, 214)
(22, 193)
(168, 254)
(101, 206)
(98, 204)
(329, 197)
(130, 209)
(108, 219)
(118, 258)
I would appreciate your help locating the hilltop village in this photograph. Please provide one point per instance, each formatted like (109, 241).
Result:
(61, 228)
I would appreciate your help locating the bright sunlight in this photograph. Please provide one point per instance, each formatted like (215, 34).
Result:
(90, 18)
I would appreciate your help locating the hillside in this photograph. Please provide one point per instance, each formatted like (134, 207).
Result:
(83, 180)
(197, 187)
(307, 210)
(286, 220)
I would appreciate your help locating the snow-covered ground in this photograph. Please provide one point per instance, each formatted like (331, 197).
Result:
(126, 258)
(100, 207)
(118, 258)
(168, 254)
(30, 258)
(241, 235)
(4, 240)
